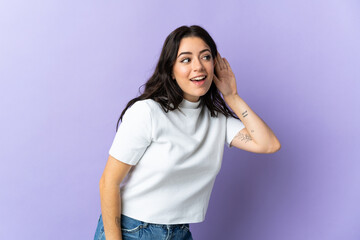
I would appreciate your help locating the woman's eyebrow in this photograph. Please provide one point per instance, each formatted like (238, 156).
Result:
(204, 50)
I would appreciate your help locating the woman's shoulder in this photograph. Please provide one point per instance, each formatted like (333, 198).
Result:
(148, 105)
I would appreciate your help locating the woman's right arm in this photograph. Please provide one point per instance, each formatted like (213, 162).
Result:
(115, 171)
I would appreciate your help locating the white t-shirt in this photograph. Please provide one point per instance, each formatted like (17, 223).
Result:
(176, 157)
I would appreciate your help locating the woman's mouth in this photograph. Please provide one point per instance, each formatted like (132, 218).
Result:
(198, 80)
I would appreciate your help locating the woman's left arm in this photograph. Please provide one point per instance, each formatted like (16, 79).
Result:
(256, 136)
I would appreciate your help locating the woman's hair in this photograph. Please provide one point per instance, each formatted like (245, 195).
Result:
(164, 90)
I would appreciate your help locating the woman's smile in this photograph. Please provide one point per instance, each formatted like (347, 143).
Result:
(198, 80)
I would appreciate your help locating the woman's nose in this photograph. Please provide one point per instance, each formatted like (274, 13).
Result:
(197, 65)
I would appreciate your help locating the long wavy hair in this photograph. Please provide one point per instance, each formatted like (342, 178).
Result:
(164, 90)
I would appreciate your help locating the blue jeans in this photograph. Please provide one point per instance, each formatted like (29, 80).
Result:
(135, 229)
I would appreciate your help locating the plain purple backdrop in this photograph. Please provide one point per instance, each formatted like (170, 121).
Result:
(68, 68)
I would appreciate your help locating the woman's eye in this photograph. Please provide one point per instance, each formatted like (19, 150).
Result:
(186, 60)
(208, 57)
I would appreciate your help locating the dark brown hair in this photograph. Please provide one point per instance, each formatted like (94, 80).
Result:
(161, 87)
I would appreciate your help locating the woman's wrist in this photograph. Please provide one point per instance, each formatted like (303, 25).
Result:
(231, 98)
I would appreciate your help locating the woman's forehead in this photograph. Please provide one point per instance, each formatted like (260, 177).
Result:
(192, 44)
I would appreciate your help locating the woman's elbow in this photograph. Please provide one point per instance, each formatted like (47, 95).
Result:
(106, 182)
(275, 147)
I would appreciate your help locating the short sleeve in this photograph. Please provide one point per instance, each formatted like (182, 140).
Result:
(233, 126)
(133, 135)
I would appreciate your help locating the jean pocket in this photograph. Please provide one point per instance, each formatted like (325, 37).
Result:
(131, 225)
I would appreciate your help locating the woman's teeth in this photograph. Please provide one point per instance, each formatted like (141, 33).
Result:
(198, 78)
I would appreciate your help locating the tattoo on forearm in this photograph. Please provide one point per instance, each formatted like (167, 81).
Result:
(243, 137)
(245, 113)
(118, 222)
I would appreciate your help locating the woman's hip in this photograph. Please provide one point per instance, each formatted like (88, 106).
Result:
(135, 229)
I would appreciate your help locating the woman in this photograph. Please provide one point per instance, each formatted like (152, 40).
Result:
(168, 149)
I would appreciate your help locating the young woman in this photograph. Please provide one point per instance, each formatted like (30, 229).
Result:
(169, 146)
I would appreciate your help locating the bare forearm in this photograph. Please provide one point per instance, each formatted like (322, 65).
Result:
(260, 132)
(111, 210)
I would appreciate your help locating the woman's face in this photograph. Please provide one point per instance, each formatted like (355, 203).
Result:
(193, 60)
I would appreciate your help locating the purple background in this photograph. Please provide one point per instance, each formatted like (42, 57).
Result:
(68, 68)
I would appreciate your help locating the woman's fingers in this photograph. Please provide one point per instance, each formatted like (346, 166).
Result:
(227, 63)
(218, 60)
(221, 62)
